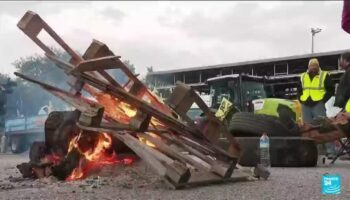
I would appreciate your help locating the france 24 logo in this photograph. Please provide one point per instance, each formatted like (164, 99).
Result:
(331, 184)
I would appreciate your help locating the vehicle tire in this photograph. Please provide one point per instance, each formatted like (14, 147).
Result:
(19, 144)
(284, 151)
(245, 124)
(60, 128)
(37, 152)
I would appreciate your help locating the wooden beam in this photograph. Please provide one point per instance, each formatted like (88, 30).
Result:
(174, 172)
(101, 63)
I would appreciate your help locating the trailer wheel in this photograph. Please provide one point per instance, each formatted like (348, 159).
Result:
(19, 144)
(284, 151)
(245, 124)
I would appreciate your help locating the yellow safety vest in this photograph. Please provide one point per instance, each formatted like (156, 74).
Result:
(315, 88)
(347, 106)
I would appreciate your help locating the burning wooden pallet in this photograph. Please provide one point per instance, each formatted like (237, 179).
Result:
(160, 134)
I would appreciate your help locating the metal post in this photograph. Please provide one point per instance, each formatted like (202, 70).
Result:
(312, 43)
(314, 31)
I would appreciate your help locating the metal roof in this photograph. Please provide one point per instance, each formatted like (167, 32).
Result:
(267, 77)
(223, 77)
(268, 60)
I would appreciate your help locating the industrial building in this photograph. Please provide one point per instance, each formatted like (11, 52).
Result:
(164, 81)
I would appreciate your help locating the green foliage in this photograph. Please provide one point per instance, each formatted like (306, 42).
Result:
(29, 98)
(149, 69)
(147, 80)
(119, 75)
(129, 65)
(3, 78)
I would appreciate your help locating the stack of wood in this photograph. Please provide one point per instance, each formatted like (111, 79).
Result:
(159, 133)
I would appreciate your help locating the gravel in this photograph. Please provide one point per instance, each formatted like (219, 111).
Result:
(139, 182)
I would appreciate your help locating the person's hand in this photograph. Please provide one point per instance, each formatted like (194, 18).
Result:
(342, 117)
(304, 126)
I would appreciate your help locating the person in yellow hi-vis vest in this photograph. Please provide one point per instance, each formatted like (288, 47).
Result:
(342, 95)
(317, 89)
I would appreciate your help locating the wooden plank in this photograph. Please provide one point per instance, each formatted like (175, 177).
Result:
(101, 63)
(32, 24)
(224, 169)
(99, 49)
(80, 103)
(174, 171)
(181, 128)
(109, 78)
(161, 146)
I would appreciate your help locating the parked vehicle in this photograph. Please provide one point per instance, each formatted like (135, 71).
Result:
(23, 131)
(271, 95)
(266, 105)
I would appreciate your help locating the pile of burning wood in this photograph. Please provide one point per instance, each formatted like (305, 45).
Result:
(123, 114)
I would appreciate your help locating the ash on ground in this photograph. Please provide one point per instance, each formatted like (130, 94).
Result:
(139, 182)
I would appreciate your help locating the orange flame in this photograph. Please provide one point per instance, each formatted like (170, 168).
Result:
(100, 154)
(147, 142)
(95, 157)
(116, 109)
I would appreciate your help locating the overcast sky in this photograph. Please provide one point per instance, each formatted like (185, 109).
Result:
(169, 35)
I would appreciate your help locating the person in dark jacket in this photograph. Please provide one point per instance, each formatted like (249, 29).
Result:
(342, 94)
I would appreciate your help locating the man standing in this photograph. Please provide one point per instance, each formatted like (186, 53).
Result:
(317, 89)
(342, 96)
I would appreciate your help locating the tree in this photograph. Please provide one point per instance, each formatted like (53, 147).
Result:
(129, 65)
(28, 98)
(4, 87)
(3, 78)
(119, 75)
(147, 80)
(150, 69)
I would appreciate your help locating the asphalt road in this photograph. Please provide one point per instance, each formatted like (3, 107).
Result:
(139, 182)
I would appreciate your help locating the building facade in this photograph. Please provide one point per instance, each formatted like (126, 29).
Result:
(165, 81)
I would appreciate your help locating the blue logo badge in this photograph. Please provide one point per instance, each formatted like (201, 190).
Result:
(331, 184)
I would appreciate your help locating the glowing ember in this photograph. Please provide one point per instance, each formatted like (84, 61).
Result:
(146, 142)
(95, 157)
(53, 158)
(130, 112)
(116, 109)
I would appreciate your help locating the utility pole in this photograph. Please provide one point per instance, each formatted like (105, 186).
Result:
(314, 31)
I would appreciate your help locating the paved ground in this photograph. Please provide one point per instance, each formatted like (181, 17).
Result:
(139, 182)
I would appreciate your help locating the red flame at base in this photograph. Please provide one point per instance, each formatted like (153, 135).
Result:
(96, 157)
